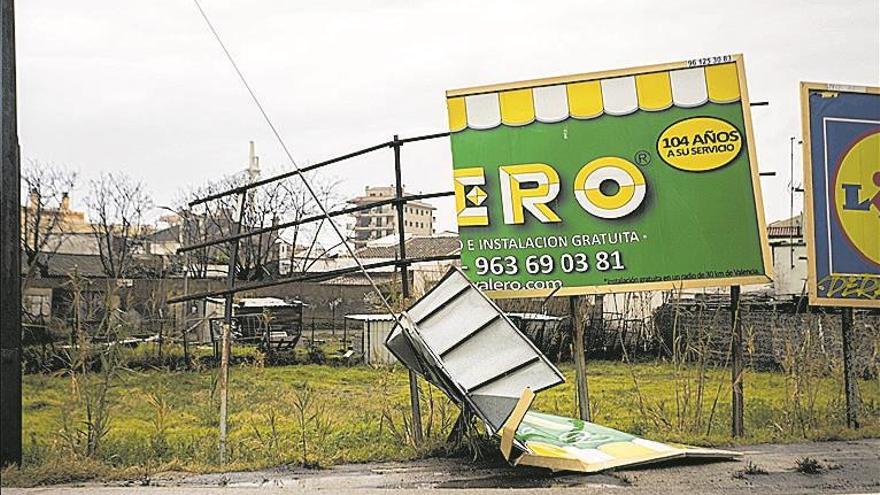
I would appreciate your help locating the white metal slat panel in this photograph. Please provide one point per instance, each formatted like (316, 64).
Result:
(456, 320)
(460, 362)
(534, 376)
(452, 313)
(439, 295)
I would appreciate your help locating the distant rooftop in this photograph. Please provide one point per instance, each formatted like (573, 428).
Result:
(789, 227)
(416, 247)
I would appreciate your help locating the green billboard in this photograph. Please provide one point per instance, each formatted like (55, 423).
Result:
(635, 179)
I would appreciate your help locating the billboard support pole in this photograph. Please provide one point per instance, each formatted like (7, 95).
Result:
(580, 358)
(226, 341)
(737, 406)
(223, 385)
(184, 231)
(849, 376)
(396, 144)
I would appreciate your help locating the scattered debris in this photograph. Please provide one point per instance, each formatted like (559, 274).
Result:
(809, 465)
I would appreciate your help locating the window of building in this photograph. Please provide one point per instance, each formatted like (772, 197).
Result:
(284, 267)
(37, 305)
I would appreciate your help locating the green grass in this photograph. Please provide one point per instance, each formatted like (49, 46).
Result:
(359, 415)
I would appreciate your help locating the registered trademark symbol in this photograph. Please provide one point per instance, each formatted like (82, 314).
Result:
(643, 157)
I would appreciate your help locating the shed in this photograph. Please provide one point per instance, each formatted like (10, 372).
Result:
(376, 329)
(273, 322)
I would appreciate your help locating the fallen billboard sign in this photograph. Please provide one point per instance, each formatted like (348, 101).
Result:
(635, 179)
(841, 126)
(559, 443)
(452, 328)
(461, 342)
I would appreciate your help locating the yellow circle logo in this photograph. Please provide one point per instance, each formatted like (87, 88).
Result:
(857, 196)
(699, 144)
(625, 192)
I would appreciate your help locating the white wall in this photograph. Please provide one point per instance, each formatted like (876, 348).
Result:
(788, 280)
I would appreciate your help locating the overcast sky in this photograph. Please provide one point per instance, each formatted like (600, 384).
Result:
(142, 86)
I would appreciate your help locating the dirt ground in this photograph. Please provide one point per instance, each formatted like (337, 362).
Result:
(844, 467)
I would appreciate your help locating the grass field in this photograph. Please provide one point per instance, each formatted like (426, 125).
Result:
(321, 415)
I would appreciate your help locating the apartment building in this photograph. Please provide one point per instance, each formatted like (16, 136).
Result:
(381, 221)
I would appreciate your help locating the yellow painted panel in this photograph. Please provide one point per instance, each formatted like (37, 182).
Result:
(548, 450)
(722, 83)
(654, 90)
(624, 450)
(517, 107)
(457, 113)
(584, 99)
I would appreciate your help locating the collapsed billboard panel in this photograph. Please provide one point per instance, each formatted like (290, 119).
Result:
(635, 179)
(568, 444)
(460, 341)
(841, 129)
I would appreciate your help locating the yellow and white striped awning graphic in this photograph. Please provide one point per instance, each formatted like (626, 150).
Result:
(655, 91)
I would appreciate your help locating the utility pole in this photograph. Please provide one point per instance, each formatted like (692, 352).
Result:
(10, 267)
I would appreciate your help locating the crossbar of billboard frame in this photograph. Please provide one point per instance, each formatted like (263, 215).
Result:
(312, 219)
(398, 200)
(262, 182)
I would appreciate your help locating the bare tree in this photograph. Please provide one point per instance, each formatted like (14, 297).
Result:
(265, 206)
(304, 239)
(117, 204)
(45, 221)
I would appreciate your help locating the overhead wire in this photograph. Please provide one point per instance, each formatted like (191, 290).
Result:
(296, 167)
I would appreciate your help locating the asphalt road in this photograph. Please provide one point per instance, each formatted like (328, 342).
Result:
(846, 467)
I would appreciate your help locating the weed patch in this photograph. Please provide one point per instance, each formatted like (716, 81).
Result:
(167, 420)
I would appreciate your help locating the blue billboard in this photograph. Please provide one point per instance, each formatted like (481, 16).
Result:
(842, 186)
